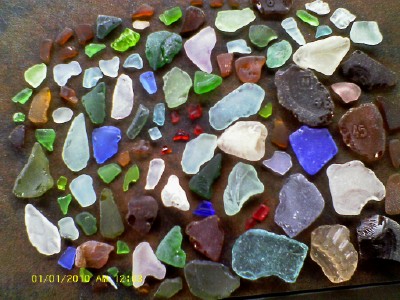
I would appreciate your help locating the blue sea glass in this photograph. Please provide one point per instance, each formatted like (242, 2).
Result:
(67, 259)
(159, 114)
(148, 82)
(133, 61)
(323, 30)
(105, 142)
(155, 133)
(204, 209)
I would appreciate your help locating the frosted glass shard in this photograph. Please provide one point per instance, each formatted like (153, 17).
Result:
(68, 229)
(177, 84)
(342, 18)
(82, 190)
(197, 152)
(332, 250)
(290, 26)
(76, 146)
(123, 98)
(156, 169)
(145, 263)
(324, 55)
(319, 7)
(173, 194)
(91, 77)
(347, 91)
(352, 185)
(42, 234)
(62, 115)
(366, 32)
(140, 25)
(243, 183)
(244, 139)
(199, 47)
(134, 61)
(280, 163)
(36, 74)
(63, 72)
(238, 46)
(245, 101)
(110, 67)
(233, 20)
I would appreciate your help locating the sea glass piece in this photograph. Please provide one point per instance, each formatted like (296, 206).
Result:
(161, 48)
(39, 106)
(62, 183)
(42, 234)
(225, 63)
(300, 204)
(92, 254)
(207, 237)
(204, 209)
(171, 15)
(389, 108)
(62, 115)
(134, 61)
(159, 114)
(46, 138)
(242, 102)
(238, 46)
(105, 142)
(196, 2)
(268, 7)
(110, 67)
(243, 183)
(156, 169)
(342, 18)
(123, 98)
(323, 30)
(142, 211)
(199, 47)
(109, 172)
(35, 178)
(324, 55)
(216, 3)
(91, 77)
(124, 158)
(155, 133)
(68, 229)
(261, 213)
(307, 18)
(140, 25)
(106, 24)
(122, 248)
(141, 149)
(195, 111)
(111, 224)
(68, 95)
(204, 82)
(169, 250)
(68, 53)
(233, 20)
(64, 36)
(177, 84)
(127, 39)
(280, 163)
(19, 117)
(181, 135)
(93, 49)
(17, 136)
(84, 33)
(36, 74)
(266, 111)
(352, 185)
(131, 176)
(394, 151)
(333, 251)
(87, 222)
(63, 72)
(198, 130)
(23, 96)
(138, 122)
(347, 91)
(67, 259)
(261, 35)
(378, 237)
(248, 68)
(290, 26)
(314, 148)
(244, 139)
(175, 117)
(392, 200)
(64, 203)
(148, 82)
(259, 253)
(169, 288)
(319, 7)
(304, 95)
(144, 264)
(202, 182)
(85, 275)
(143, 11)
(46, 47)
(82, 190)
(234, 4)
(194, 19)
(362, 130)
(173, 195)
(278, 54)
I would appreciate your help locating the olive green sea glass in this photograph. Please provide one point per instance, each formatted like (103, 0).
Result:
(266, 111)
(132, 175)
(111, 224)
(95, 103)
(126, 40)
(262, 35)
(62, 183)
(161, 48)
(92, 49)
(46, 138)
(205, 82)
(122, 248)
(109, 172)
(169, 250)
(19, 117)
(171, 15)
(85, 275)
(168, 288)
(23, 96)
(64, 202)
(87, 222)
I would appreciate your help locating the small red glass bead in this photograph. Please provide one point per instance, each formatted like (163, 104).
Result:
(175, 117)
(166, 150)
(250, 223)
(181, 135)
(198, 130)
(195, 111)
(261, 213)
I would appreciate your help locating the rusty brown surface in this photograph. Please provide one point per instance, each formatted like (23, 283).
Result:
(23, 24)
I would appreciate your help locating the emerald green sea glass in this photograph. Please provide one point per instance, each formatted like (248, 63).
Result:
(87, 222)
(18, 117)
(92, 49)
(161, 48)
(171, 15)
(113, 271)
(205, 82)
(126, 40)
(111, 224)
(307, 17)
(169, 250)
(95, 103)
(266, 111)
(109, 172)
(46, 138)
(131, 176)
(64, 202)
(122, 248)
(23, 96)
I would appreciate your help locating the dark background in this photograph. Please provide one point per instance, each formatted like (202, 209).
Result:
(23, 24)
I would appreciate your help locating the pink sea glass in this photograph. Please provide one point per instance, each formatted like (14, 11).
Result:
(347, 91)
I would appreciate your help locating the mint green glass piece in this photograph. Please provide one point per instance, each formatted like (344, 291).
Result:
(85, 275)
(87, 222)
(18, 117)
(266, 111)
(262, 35)
(64, 202)
(92, 49)
(113, 271)
(36, 74)
(126, 40)
(95, 103)
(23, 96)
(62, 183)
(278, 54)
(177, 84)
(169, 250)
(46, 138)
(307, 17)
(204, 82)
(232, 20)
(122, 248)
(109, 172)
(132, 175)
(171, 15)
(111, 224)
(323, 30)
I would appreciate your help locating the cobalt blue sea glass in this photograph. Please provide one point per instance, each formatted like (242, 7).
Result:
(105, 142)
(148, 82)
(67, 259)
(205, 209)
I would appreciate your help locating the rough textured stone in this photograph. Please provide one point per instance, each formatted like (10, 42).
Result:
(268, 7)
(392, 200)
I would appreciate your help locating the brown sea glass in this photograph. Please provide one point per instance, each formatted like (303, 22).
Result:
(280, 134)
(39, 107)
(196, 2)
(92, 254)
(68, 95)
(392, 200)
(124, 158)
(64, 36)
(84, 33)
(234, 4)
(67, 53)
(248, 68)
(45, 50)
(225, 62)
(144, 11)
(390, 109)
(142, 211)
(272, 7)
(194, 18)
(17, 136)
(141, 149)
(394, 151)
(362, 130)
(216, 3)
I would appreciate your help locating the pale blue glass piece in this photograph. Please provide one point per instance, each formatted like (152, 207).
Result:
(82, 190)
(290, 26)
(238, 46)
(159, 114)
(366, 32)
(280, 162)
(148, 82)
(259, 253)
(91, 77)
(245, 101)
(155, 133)
(134, 61)
(323, 30)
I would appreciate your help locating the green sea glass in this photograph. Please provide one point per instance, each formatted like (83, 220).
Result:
(266, 111)
(262, 35)
(109, 172)
(138, 122)
(36, 74)
(171, 15)
(85, 275)
(64, 202)
(126, 40)
(46, 138)
(307, 17)
(95, 103)
(87, 222)
(35, 178)
(205, 82)
(111, 224)
(132, 175)
(161, 48)
(92, 49)
(62, 183)
(177, 84)
(169, 250)
(233, 20)
(23, 96)
(168, 288)
(113, 271)
(19, 117)
(278, 54)
(122, 248)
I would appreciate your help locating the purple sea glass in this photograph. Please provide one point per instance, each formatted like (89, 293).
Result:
(105, 142)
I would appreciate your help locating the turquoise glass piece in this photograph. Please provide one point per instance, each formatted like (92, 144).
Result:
(159, 114)
(323, 30)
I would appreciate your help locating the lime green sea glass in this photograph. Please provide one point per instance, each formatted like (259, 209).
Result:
(36, 74)
(122, 248)
(85, 275)
(62, 183)
(23, 96)
(171, 15)
(126, 40)
(204, 82)
(19, 117)
(64, 202)
(131, 176)
(109, 172)
(266, 111)
(307, 17)
(46, 138)
(92, 49)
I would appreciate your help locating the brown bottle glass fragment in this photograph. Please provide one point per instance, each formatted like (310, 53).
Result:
(64, 36)
(392, 200)
(68, 95)
(394, 151)
(68, 53)
(194, 18)
(216, 3)
(196, 2)
(39, 107)
(141, 149)
(84, 33)
(144, 11)
(248, 68)
(92, 254)
(45, 50)
(142, 211)
(390, 110)
(234, 4)
(225, 62)
(280, 134)
(272, 7)
(17, 136)
(362, 130)
(124, 158)
(207, 236)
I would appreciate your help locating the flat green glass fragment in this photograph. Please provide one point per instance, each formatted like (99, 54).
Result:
(87, 222)
(113, 271)
(168, 288)
(62, 183)
(64, 202)
(138, 121)
(169, 250)
(111, 224)
(204, 82)
(122, 248)
(18, 117)
(266, 111)
(171, 15)
(161, 48)
(127, 279)
(232, 20)
(278, 54)
(132, 175)
(262, 35)
(85, 275)
(126, 40)
(177, 84)
(109, 172)
(36, 74)
(22, 96)
(92, 49)
(46, 138)
(307, 17)
(95, 103)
